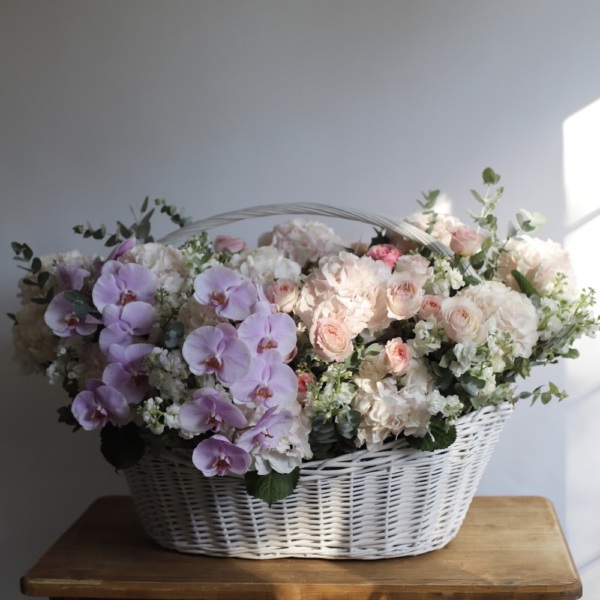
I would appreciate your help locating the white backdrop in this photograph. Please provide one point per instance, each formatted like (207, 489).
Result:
(219, 104)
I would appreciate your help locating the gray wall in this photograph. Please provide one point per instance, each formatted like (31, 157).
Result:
(221, 104)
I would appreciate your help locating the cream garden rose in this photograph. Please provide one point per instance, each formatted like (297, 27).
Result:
(331, 339)
(463, 320)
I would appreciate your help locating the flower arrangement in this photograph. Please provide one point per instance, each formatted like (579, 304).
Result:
(256, 359)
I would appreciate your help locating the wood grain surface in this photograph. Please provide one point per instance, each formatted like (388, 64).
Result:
(508, 548)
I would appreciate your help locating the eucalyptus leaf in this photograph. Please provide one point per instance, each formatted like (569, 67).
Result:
(490, 177)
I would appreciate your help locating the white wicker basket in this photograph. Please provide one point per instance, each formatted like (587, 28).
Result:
(364, 505)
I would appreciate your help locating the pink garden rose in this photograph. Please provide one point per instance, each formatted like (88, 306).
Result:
(465, 241)
(224, 243)
(284, 293)
(404, 297)
(397, 356)
(388, 253)
(331, 339)
(431, 305)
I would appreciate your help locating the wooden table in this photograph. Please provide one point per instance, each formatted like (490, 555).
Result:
(508, 547)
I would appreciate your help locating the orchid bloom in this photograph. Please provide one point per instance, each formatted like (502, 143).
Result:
(267, 432)
(99, 404)
(119, 284)
(209, 411)
(224, 289)
(61, 316)
(217, 351)
(126, 371)
(265, 333)
(268, 382)
(218, 456)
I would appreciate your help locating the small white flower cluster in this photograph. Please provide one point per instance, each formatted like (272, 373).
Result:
(168, 373)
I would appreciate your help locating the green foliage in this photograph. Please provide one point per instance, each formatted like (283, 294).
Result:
(36, 278)
(271, 487)
(429, 199)
(140, 228)
(334, 435)
(173, 335)
(123, 446)
(66, 416)
(441, 435)
(524, 284)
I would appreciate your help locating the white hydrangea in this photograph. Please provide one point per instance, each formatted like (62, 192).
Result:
(34, 344)
(166, 262)
(388, 410)
(303, 241)
(541, 261)
(265, 265)
(513, 314)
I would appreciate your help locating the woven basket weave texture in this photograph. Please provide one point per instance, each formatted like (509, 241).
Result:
(364, 505)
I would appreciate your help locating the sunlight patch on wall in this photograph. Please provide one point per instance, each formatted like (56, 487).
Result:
(581, 134)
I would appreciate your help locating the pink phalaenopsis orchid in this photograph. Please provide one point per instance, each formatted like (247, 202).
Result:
(127, 372)
(265, 332)
(120, 284)
(135, 318)
(217, 351)
(65, 321)
(218, 456)
(268, 382)
(99, 404)
(267, 432)
(210, 410)
(224, 290)
(71, 277)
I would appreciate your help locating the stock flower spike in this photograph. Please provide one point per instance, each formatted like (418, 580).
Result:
(254, 360)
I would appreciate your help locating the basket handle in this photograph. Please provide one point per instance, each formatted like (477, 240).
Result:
(308, 208)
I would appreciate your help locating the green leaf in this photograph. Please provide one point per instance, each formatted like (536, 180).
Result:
(27, 252)
(430, 198)
(524, 284)
(490, 177)
(43, 279)
(36, 265)
(142, 229)
(66, 416)
(271, 487)
(571, 353)
(81, 306)
(145, 204)
(12, 317)
(347, 423)
(16, 248)
(173, 334)
(440, 436)
(122, 447)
